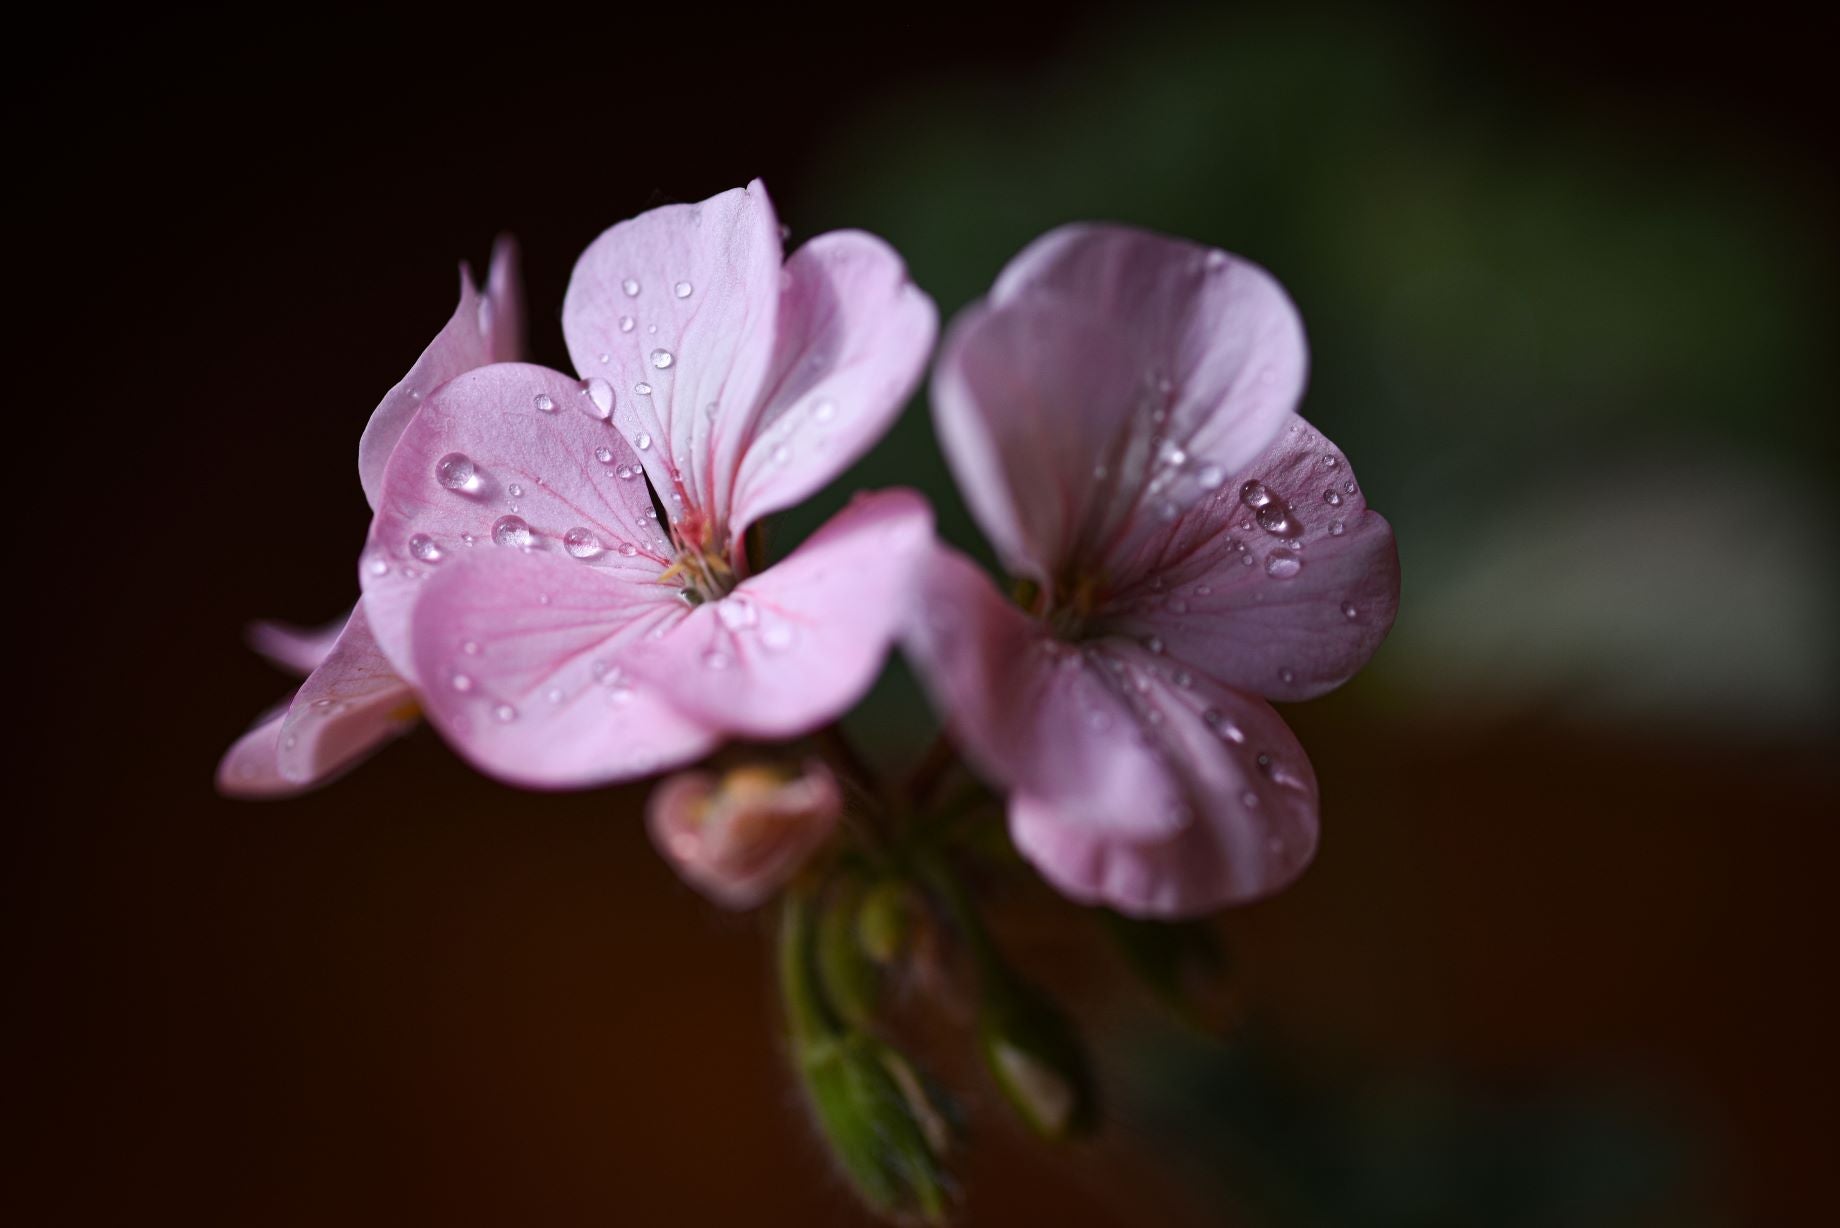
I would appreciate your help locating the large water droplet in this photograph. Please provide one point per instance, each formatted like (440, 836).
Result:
(631, 286)
(682, 289)
(1254, 495)
(1276, 518)
(1283, 564)
(545, 403)
(662, 359)
(600, 393)
(425, 548)
(456, 471)
(581, 543)
(511, 531)
(642, 441)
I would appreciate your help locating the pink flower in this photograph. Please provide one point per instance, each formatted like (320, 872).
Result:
(1119, 415)
(741, 838)
(352, 701)
(518, 573)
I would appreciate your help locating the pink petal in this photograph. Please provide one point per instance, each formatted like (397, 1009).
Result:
(796, 645)
(248, 769)
(482, 330)
(1118, 374)
(676, 308)
(505, 458)
(350, 705)
(1034, 714)
(299, 650)
(740, 838)
(1247, 785)
(1282, 583)
(854, 333)
(520, 657)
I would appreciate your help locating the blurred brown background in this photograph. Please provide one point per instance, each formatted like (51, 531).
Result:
(1567, 952)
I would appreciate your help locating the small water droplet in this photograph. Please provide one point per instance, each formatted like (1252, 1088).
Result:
(503, 713)
(1348, 487)
(1170, 453)
(642, 388)
(554, 695)
(515, 491)
(1287, 675)
(1337, 528)
(1249, 800)
(631, 286)
(1329, 462)
(378, 567)
(1216, 260)
(425, 548)
(1254, 495)
(737, 613)
(467, 539)
(824, 410)
(606, 358)
(545, 403)
(1283, 564)
(781, 454)
(1348, 611)
(604, 455)
(1155, 645)
(682, 289)
(1167, 511)
(627, 324)
(511, 531)
(715, 658)
(600, 392)
(456, 471)
(662, 359)
(1210, 477)
(1332, 497)
(1246, 559)
(581, 543)
(628, 550)
(642, 441)
(461, 682)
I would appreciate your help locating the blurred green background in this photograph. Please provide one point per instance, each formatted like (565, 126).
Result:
(1565, 957)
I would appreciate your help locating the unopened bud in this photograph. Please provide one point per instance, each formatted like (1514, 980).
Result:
(1037, 1060)
(741, 837)
(882, 1123)
(885, 920)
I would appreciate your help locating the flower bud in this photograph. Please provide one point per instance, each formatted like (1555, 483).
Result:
(741, 837)
(882, 1123)
(1037, 1060)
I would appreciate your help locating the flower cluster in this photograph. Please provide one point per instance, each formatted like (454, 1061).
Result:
(565, 575)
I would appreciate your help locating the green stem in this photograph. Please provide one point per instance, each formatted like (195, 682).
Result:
(808, 1018)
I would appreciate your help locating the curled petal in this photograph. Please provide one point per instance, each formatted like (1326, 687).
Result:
(512, 458)
(797, 644)
(1110, 377)
(1248, 792)
(520, 657)
(676, 308)
(348, 707)
(484, 329)
(1031, 713)
(853, 334)
(1283, 582)
(298, 650)
(740, 838)
(248, 768)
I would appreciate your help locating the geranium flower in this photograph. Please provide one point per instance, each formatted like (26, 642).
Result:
(1119, 416)
(352, 701)
(518, 572)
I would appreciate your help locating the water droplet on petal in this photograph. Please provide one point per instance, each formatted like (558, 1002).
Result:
(631, 286)
(1349, 487)
(642, 441)
(781, 454)
(1210, 477)
(737, 613)
(824, 410)
(1154, 644)
(604, 455)
(628, 550)
(662, 359)
(1332, 497)
(627, 324)
(600, 392)
(515, 491)
(545, 403)
(1254, 495)
(1329, 462)
(378, 567)
(682, 289)
(511, 531)
(1349, 612)
(554, 695)
(606, 358)
(1275, 518)
(1337, 528)
(642, 388)
(504, 714)
(1287, 675)
(1283, 564)
(467, 539)
(456, 471)
(581, 543)
(461, 682)
(425, 548)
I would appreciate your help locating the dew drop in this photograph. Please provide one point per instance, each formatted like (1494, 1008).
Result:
(824, 410)
(1287, 675)
(456, 471)
(627, 324)
(470, 648)
(1155, 645)
(737, 613)
(642, 441)
(604, 455)
(510, 531)
(662, 359)
(1246, 559)
(1348, 611)
(378, 567)
(504, 714)
(1329, 462)
(1283, 564)
(461, 682)
(1171, 454)
(628, 550)
(1254, 495)
(606, 358)
(515, 491)
(545, 403)
(1337, 528)
(467, 539)
(1275, 518)
(1332, 497)
(682, 289)
(581, 543)
(1210, 477)
(781, 454)
(600, 392)
(554, 695)
(425, 548)
(1349, 487)
(642, 388)
(631, 286)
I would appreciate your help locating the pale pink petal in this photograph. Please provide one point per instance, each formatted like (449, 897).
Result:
(1120, 373)
(298, 650)
(676, 309)
(797, 645)
(350, 705)
(520, 660)
(248, 769)
(853, 335)
(1282, 583)
(1033, 714)
(740, 838)
(1247, 786)
(483, 329)
(512, 458)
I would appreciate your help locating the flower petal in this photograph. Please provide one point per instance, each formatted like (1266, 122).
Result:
(853, 335)
(298, 650)
(676, 308)
(248, 768)
(350, 705)
(483, 329)
(1134, 367)
(1034, 714)
(1282, 583)
(1246, 784)
(797, 645)
(520, 656)
(508, 457)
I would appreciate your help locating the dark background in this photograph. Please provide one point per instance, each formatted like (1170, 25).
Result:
(1568, 276)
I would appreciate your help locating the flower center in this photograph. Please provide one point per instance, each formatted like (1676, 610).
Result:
(1067, 608)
